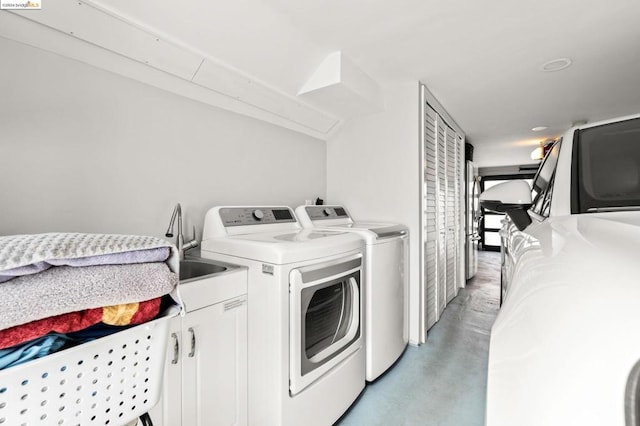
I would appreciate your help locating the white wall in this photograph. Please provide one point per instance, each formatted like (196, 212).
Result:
(504, 154)
(86, 150)
(373, 169)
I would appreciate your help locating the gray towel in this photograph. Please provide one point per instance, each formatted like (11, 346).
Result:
(21, 250)
(32, 253)
(67, 289)
(159, 254)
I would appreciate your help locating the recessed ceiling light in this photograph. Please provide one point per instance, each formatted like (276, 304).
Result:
(556, 65)
(539, 128)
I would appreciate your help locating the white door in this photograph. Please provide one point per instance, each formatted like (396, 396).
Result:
(442, 237)
(442, 215)
(214, 365)
(168, 411)
(430, 233)
(325, 318)
(451, 215)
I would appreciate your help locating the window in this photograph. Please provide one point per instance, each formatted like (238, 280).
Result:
(491, 222)
(606, 173)
(542, 187)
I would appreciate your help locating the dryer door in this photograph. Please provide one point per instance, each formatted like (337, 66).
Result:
(325, 318)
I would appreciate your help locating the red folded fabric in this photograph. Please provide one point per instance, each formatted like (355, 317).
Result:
(127, 314)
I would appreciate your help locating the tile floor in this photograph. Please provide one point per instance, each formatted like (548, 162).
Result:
(443, 382)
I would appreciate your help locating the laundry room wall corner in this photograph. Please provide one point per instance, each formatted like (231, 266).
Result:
(372, 169)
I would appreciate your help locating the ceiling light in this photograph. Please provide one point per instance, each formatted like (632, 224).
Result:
(538, 153)
(556, 65)
(543, 147)
(539, 128)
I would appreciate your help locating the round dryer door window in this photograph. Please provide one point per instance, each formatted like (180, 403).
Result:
(325, 318)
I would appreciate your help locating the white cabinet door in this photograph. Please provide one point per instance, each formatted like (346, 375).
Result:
(205, 378)
(168, 411)
(214, 357)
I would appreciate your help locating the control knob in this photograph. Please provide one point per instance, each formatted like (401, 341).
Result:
(327, 211)
(258, 214)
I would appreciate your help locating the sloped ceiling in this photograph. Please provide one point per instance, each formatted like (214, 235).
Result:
(480, 59)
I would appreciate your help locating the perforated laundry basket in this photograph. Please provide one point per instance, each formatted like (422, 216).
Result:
(108, 381)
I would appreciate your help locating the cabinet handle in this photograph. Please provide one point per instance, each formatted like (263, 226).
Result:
(176, 348)
(193, 342)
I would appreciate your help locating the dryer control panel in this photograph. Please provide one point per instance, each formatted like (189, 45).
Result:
(238, 216)
(326, 212)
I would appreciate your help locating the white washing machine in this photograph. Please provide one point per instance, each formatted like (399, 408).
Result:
(306, 355)
(386, 281)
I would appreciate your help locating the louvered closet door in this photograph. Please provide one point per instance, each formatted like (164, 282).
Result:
(430, 212)
(451, 214)
(441, 216)
(460, 202)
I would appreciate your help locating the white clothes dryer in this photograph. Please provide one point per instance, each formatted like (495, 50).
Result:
(305, 340)
(386, 281)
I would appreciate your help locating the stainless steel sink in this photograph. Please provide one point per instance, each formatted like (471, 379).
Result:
(199, 268)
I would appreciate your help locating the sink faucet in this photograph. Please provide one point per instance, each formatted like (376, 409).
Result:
(182, 246)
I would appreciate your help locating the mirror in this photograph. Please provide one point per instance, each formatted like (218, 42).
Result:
(512, 198)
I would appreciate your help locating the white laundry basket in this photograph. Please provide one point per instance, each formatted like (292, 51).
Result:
(108, 381)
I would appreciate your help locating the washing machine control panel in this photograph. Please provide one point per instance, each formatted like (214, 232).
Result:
(258, 214)
(238, 216)
(324, 212)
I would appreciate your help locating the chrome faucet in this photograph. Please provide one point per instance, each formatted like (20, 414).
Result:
(182, 246)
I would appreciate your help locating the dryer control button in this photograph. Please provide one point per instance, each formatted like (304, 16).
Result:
(327, 212)
(258, 214)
